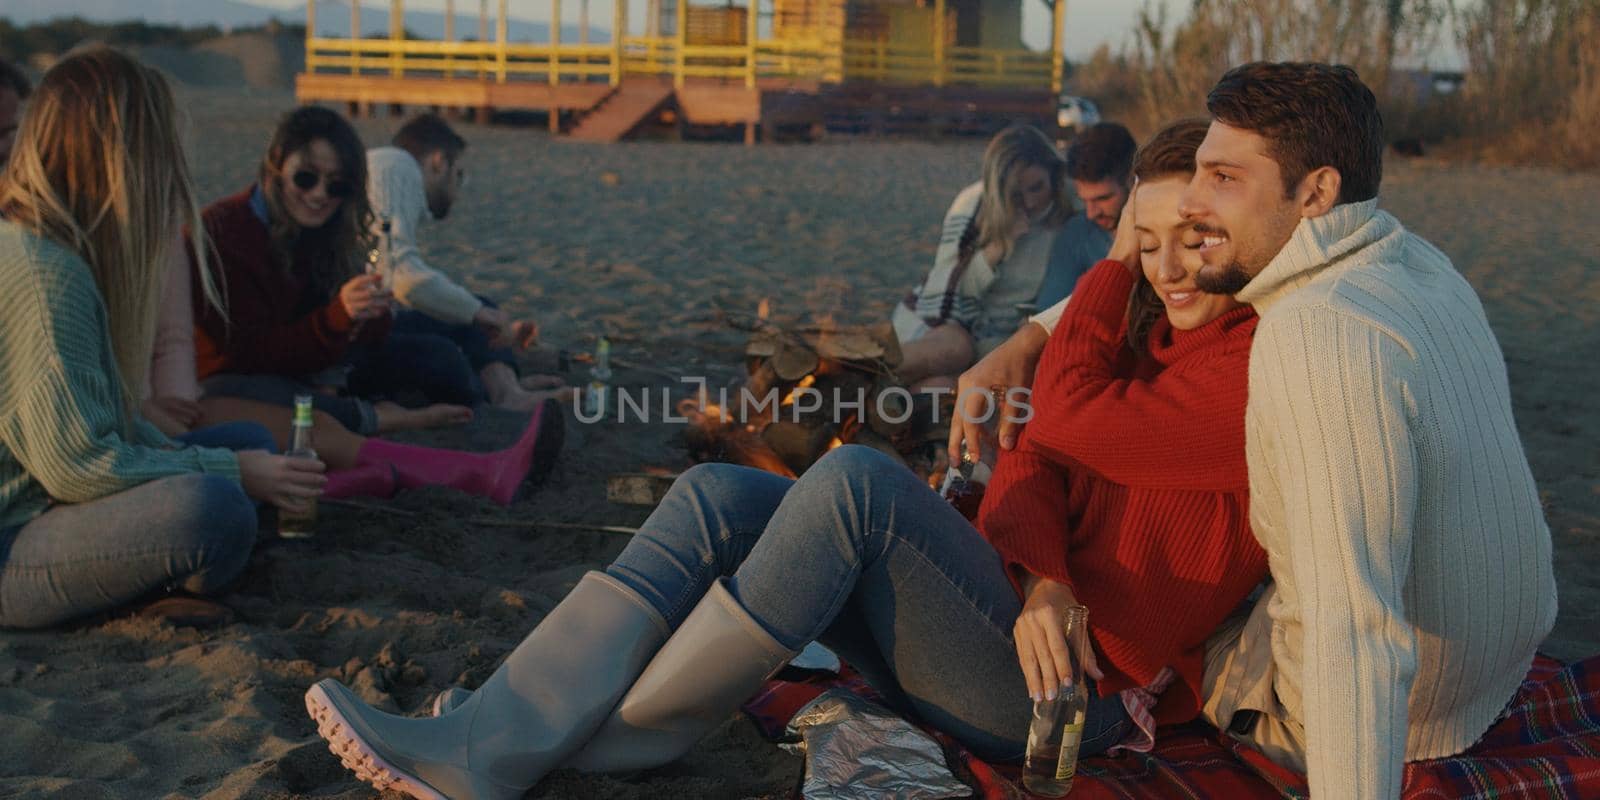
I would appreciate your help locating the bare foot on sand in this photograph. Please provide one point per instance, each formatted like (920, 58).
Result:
(524, 400)
(395, 417)
(534, 383)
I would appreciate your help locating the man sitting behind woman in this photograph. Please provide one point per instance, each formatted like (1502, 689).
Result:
(1012, 243)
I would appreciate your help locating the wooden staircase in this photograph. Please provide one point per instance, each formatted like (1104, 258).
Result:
(622, 111)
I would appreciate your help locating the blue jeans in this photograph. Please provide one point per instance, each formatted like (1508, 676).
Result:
(862, 556)
(414, 362)
(190, 531)
(233, 436)
(355, 414)
(469, 338)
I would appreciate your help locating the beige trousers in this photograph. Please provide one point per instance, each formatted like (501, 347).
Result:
(1238, 688)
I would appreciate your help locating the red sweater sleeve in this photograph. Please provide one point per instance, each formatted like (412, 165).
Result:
(262, 334)
(1181, 429)
(1024, 515)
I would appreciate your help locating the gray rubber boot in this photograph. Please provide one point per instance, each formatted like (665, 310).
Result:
(715, 661)
(545, 701)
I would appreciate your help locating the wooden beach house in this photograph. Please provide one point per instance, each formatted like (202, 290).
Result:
(875, 65)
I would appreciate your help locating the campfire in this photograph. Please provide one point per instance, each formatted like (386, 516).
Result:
(811, 389)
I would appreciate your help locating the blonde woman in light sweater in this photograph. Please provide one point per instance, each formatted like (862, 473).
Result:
(1411, 559)
(98, 507)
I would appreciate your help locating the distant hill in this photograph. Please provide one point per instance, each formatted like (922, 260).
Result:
(333, 17)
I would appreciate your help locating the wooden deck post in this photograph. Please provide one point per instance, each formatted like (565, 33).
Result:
(752, 30)
(311, 33)
(355, 34)
(682, 32)
(583, 36)
(500, 30)
(938, 42)
(619, 29)
(555, 42)
(397, 34)
(450, 36)
(1057, 46)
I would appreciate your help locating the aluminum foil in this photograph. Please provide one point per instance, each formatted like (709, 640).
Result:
(857, 750)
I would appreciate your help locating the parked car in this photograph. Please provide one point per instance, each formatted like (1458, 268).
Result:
(1073, 114)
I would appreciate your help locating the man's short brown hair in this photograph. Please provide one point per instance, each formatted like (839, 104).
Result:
(1312, 115)
(1101, 153)
(12, 78)
(426, 134)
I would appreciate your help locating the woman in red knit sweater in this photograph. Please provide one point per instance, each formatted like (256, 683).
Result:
(1127, 495)
(1127, 492)
(302, 312)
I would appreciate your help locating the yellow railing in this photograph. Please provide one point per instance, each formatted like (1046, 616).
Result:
(815, 60)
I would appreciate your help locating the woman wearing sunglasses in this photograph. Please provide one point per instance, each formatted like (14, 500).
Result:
(302, 312)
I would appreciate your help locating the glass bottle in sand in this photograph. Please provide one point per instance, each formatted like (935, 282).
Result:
(1056, 730)
(597, 396)
(300, 524)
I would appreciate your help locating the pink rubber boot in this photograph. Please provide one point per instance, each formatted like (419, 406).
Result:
(376, 479)
(496, 475)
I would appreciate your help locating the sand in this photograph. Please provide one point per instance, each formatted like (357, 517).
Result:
(408, 596)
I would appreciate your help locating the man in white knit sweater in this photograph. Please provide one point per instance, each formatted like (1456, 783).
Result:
(418, 177)
(1410, 557)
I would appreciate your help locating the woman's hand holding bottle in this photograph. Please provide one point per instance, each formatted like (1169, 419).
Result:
(285, 482)
(1041, 639)
(364, 297)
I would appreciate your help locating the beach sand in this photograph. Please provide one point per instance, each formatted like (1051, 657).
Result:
(404, 597)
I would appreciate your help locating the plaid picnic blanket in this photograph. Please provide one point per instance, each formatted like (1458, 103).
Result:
(1546, 747)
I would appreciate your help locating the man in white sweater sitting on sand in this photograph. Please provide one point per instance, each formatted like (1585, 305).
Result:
(418, 177)
(1411, 563)
(1410, 556)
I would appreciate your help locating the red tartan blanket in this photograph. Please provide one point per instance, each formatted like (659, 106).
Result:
(1546, 747)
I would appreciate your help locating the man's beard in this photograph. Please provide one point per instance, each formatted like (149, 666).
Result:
(1230, 280)
(439, 207)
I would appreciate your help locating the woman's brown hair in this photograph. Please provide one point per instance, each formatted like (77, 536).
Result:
(1170, 153)
(336, 251)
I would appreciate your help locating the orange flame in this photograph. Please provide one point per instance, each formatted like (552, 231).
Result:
(834, 443)
(764, 308)
(805, 383)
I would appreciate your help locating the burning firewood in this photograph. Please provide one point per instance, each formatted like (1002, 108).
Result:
(809, 390)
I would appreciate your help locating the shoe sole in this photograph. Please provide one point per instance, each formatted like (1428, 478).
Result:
(438, 703)
(354, 753)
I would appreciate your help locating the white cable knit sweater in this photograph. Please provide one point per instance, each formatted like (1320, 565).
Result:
(397, 193)
(1390, 490)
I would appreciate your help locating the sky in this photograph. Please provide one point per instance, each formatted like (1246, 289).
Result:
(1089, 22)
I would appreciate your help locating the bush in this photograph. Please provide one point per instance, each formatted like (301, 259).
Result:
(1531, 93)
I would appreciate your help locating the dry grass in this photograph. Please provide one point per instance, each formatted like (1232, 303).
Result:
(1532, 90)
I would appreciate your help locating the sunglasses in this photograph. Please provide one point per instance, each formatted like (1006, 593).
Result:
(338, 188)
